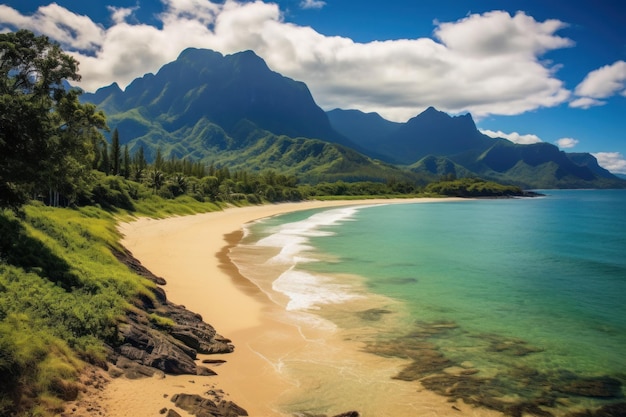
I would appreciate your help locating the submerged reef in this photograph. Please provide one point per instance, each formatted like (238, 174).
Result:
(516, 390)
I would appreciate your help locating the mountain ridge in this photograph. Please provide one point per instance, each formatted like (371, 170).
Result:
(455, 142)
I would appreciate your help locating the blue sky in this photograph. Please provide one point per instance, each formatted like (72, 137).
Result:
(528, 70)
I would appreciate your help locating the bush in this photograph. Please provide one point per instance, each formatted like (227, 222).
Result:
(111, 192)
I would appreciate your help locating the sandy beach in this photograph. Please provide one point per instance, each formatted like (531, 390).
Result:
(190, 252)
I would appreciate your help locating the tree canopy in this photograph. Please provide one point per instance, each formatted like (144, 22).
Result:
(47, 137)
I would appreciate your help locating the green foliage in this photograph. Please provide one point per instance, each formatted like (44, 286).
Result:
(112, 192)
(472, 187)
(47, 138)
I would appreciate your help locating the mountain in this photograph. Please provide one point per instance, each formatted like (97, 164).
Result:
(366, 128)
(434, 144)
(205, 85)
(233, 110)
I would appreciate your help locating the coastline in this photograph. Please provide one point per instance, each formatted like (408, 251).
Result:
(191, 253)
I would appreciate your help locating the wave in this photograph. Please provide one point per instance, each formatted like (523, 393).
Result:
(293, 238)
(306, 290)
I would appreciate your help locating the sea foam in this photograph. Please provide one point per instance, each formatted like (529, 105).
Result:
(293, 238)
(306, 290)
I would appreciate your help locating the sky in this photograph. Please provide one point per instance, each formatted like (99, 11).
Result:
(527, 70)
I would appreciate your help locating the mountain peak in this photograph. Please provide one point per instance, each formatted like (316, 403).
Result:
(198, 54)
(432, 111)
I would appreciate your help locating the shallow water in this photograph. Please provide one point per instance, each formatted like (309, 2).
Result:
(510, 305)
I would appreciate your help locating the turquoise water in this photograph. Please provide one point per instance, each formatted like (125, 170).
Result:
(524, 297)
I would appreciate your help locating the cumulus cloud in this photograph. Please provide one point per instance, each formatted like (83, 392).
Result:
(484, 63)
(513, 137)
(599, 84)
(567, 143)
(613, 161)
(312, 4)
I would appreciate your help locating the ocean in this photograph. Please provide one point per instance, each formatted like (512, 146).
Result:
(506, 305)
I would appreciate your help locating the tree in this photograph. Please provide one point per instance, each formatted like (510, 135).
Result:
(73, 146)
(46, 135)
(158, 159)
(116, 153)
(156, 179)
(139, 164)
(126, 162)
(105, 161)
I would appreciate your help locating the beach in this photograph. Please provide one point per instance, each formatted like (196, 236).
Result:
(191, 254)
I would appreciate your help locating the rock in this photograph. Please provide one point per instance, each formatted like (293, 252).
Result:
(598, 387)
(200, 406)
(214, 361)
(131, 369)
(172, 413)
(230, 409)
(512, 347)
(135, 265)
(187, 337)
(610, 410)
(430, 361)
(204, 371)
(171, 349)
(373, 314)
(194, 404)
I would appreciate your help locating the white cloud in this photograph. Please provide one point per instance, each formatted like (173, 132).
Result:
(497, 33)
(75, 32)
(312, 4)
(567, 143)
(120, 14)
(513, 137)
(586, 102)
(613, 161)
(602, 83)
(484, 63)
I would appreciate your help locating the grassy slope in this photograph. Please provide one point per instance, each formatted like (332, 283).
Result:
(62, 292)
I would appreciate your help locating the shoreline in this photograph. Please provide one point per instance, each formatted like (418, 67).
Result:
(191, 253)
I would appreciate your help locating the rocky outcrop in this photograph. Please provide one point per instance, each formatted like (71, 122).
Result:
(158, 335)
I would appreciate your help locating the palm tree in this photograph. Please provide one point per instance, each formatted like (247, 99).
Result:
(156, 179)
